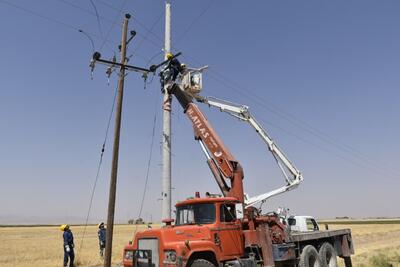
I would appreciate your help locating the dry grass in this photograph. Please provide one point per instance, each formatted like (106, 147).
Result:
(42, 246)
(375, 244)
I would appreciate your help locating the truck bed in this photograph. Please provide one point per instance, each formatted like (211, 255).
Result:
(313, 235)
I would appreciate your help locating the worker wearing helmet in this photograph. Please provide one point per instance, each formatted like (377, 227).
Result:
(171, 70)
(68, 245)
(101, 233)
(183, 69)
(170, 56)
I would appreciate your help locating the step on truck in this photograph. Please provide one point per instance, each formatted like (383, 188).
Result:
(228, 229)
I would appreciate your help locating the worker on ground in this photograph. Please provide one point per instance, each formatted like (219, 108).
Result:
(102, 238)
(68, 245)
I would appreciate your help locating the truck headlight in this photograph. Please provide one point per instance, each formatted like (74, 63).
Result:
(169, 256)
(128, 255)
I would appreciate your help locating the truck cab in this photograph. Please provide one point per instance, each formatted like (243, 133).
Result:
(302, 223)
(205, 230)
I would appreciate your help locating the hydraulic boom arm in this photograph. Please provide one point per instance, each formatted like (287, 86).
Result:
(221, 162)
(242, 112)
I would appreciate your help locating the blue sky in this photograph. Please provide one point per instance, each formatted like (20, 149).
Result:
(321, 76)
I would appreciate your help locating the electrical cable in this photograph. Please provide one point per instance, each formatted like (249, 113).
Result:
(327, 150)
(194, 21)
(97, 17)
(286, 116)
(105, 40)
(66, 25)
(87, 11)
(108, 5)
(148, 167)
(151, 28)
(114, 23)
(39, 15)
(144, 38)
(98, 170)
(90, 38)
(148, 163)
(259, 101)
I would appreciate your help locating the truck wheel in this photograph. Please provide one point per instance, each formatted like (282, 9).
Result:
(309, 257)
(328, 255)
(202, 263)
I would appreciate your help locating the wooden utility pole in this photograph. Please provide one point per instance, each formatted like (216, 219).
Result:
(114, 168)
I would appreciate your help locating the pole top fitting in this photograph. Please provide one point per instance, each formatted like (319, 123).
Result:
(96, 56)
(127, 15)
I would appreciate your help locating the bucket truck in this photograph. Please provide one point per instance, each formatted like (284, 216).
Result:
(228, 230)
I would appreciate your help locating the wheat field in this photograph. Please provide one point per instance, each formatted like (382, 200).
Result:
(376, 245)
(43, 246)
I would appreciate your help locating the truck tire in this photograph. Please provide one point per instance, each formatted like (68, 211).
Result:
(328, 255)
(202, 263)
(309, 257)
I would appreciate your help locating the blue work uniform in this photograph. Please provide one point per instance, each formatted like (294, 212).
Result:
(102, 237)
(68, 242)
(175, 67)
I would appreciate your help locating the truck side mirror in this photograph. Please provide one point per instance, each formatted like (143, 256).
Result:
(239, 211)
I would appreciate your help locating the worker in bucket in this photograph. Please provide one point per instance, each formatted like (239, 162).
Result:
(68, 245)
(183, 69)
(101, 233)
(170, 71)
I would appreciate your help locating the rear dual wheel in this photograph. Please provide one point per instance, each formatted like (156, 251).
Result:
(328, 255)
(309, 257)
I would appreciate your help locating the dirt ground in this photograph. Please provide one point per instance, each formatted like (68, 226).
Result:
(42, 246)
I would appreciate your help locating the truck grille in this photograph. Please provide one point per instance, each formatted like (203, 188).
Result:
(149, 244)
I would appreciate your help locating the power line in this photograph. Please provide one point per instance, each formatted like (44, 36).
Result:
(194, 21)
(59, 22)
(259, 101)
(144, 38)
(301, 124)
(278, 112)
(329, 151)
(90, 39)
(98, 169)
(87, 11)
(108, 5)
(148, 163)
(114, 23)
(97, 17)
(39, 15)
(147, 33)
(143, 25)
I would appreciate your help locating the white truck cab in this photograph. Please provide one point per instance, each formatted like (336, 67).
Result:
(302, 223)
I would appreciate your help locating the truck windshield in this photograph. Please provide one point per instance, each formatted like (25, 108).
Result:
(203, 213)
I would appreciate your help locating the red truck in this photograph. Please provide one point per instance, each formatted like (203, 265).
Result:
(228, 230)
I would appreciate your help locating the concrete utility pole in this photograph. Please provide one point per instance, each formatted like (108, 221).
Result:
(166, 136)
(114, 169)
